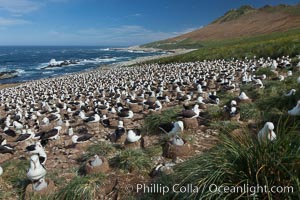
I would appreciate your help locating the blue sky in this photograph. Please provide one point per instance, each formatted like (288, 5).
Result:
(108, 22)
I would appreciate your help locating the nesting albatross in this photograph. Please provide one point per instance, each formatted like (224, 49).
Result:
(133, 135)
(36, 171)
(172, 128)
(267, 133)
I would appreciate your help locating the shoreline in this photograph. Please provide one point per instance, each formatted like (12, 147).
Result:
(140, 60)
(114, 65)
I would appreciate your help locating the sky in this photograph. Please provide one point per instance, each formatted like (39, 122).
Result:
(109, 22)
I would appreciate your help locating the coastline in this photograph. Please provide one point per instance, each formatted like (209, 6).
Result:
(140, 60)
(119, 64)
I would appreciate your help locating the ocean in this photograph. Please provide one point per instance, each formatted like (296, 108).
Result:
(30, 62)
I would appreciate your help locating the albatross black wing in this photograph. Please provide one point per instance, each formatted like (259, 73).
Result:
(92, 118)
(30, 147)
(85, 137)
(188, 113)
(119, 132)
(22, 137)
(4, 149)
(49, 134)
(105, 122)
(167, 127)
(10, 133)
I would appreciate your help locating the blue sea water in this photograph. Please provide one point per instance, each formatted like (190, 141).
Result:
(30, 61)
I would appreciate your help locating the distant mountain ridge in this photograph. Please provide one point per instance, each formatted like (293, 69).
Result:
(243, 22)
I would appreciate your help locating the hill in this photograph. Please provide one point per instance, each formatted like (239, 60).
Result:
(238, 23)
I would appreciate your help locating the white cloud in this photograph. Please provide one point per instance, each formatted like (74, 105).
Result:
(20, 6)
(9, 22)
(136, 15)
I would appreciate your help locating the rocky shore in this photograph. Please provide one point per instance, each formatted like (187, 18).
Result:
(54, 63)
(8, 74)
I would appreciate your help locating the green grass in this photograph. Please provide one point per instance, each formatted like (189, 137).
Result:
(270, 103)
(266, 71)
(55, 175)
(249, 111)
(186, 44)
(15, 175)
(154, 150)
(224, 126)
(132, 160)
(81, 188)
(152, 121)
(214, 112)
(100, 149)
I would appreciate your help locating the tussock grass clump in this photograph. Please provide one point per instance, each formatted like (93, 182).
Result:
(81, 188)
(15, 175)
(267, 71)
(154, 120)
(249, 111)
(101, 149)
(295, 61)
(226, 97)
(131, 160)
(225, 126)
(15, 170)
(270, 103)
(153, 150)
(252, 92)
(281, 103)
(55, 175)
(273, 103)
(214, 112)
(239, 160)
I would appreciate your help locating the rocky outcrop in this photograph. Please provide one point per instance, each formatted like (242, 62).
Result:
(54, 63)
(8, 74)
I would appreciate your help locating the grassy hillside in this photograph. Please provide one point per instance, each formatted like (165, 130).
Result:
(237, 23)
(269, 45)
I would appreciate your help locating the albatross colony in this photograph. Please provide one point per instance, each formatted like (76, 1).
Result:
(92, 105)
